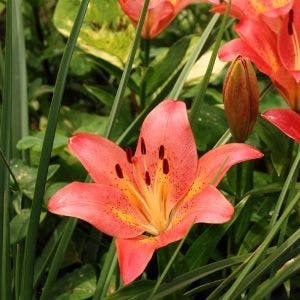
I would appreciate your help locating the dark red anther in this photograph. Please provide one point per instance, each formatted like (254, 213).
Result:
(161, 152)
(147, 178)
(129, 155)
(166, 167)
(290, 22)
(119, 171)
(143, 146)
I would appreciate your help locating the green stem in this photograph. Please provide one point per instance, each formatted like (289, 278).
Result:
(58, 258)
(126, 74)
(31, 240)
(5, 143)
(197, 102)
(146, 58)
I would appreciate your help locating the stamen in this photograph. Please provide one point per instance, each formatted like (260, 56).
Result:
(161, 152)
(119, 171)
(290, 22)
(129, 155)
(147, 178)
(143, 146)
(166, 167)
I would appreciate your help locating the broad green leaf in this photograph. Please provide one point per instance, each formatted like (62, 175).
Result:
(101, 94)
(26, 176)
(19, 225)
(106, 32)
(80, 284)
(199, 68)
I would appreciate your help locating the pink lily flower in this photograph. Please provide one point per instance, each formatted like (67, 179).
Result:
(285, 120)
(271, 42)
(159, 15)
(150, 199)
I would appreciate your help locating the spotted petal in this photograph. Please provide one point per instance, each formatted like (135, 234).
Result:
(168, 126)
(101, 205)
(100, 157)
(285, 120)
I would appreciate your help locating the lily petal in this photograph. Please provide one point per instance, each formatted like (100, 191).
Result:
(134, 255)
(285, 120)
(101, 205)
(100, 157)
(288, 41)
(209, 206)
(214, 164)
(167, 125)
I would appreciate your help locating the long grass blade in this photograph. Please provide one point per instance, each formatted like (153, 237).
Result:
(197, 101)
(260, 251)
(126, 74)
(31, 240)
(6, 118)
(19, 81)
(58, 258)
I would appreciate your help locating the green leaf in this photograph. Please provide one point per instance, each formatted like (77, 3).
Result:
(101, 94)
(160, 71)
(26, 176)
(80, 284)
(19, 225)
(105, 31)
(203, 247)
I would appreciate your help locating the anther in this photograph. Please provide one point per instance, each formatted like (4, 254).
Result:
(129, 155)
(290, 22)
(161, 152)
(119, 171)
(147, 178)
(143, 146)
(166, 167)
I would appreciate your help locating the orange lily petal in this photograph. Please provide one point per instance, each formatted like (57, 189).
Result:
(100, 157)
(214, 164)
(285, 120)
(134, 255)
(167, 126)
(289, 41)
(101, 205)
(209, 206)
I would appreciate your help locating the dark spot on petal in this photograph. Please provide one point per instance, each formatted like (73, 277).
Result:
(290, 22)
(119, 171)
(129, 155)
(161, 152)
(166, 167)
(147, 178)
(143, 146)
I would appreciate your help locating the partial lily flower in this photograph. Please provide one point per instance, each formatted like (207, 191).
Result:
(271, 42)
(285, 120)
(152, 198)
(159, 15)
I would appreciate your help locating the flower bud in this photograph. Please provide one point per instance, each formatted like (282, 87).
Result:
(241, 96)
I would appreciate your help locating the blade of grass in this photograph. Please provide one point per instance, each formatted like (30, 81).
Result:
(197, 101)
(260, 251)
(58, 258)
(263, 267)
(126, 74)
(48, 251)
(284, 273)
(19, 81)
(5, 139)
(106, 272)
(174, 94)
(31, 240)
(168, 266)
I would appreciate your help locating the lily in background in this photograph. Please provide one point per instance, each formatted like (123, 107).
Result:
(160, 14)
(150, 199)
(285, 120)
(269, 37)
